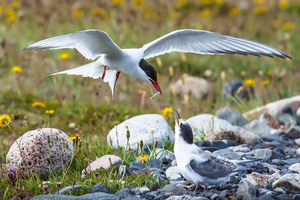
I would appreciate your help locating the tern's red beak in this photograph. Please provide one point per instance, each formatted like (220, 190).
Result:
(155, 84)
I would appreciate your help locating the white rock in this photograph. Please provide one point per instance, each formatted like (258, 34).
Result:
(172, 170)
(275, 108)
(295, 167)
(290, 181)
(204, 124)
(105, 162)
(197, 87)
(148, 128)
(44, 151)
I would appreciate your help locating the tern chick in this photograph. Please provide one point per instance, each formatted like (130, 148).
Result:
(198, 166)
(109, 60)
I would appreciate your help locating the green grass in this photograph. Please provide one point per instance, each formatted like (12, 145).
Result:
(91, 108)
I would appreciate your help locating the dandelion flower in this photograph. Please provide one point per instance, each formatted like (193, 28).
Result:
(288, 26)
(250, 82)
(117, 2)
(144, 158)
(64, 56)
(38, 104)
(259, 2)
(260, 10)
(137, 3)
(167, 111)
(74, 138)
(283, 4)
(234, 11)
(181, 3)
(77, 13)
(17, 69)
(49, 112)
(11, 16)
(265, 82)
(5, 120)
(270, 72)
(206, 13)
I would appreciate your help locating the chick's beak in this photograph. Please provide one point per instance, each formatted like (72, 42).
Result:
(156, 86)
(177, 117)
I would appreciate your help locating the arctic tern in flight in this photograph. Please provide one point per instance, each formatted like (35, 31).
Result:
(109, 60)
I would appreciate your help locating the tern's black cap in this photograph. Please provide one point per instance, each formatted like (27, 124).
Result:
(148, 69)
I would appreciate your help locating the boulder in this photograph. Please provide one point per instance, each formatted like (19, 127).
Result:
(42, 151)
(147, 128)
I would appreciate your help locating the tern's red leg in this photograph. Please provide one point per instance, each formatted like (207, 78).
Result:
(104, 72)
(118, 75)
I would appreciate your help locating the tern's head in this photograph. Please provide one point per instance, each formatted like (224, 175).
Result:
(150, 73)
(182, 129)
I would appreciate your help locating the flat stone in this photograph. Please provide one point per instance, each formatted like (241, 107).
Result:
(227, 153)
(186, 197)
(173, 189)
(246, 190)
(91, 196)
(259, 179)
(232, 116)
(105, 162)
(147, 128)
(263, 154)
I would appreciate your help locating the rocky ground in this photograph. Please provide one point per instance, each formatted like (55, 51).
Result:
(271, 144)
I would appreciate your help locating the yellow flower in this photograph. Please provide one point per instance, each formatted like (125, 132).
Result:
(1, 9)
(16, 4)
(250, 82)
(265, 82)
(288, 26)
(5, 120)
(137, 3)
(74, 138)
(144, 158)
(38, 104)
(259, 2)
(117, 2)
(206, 13)
(234, 11)
(260, 10)
(101, 12)
(17, 69)
(11, 16)
(181, 3)
(218, 2)
(283, 4)
(64, 56)
(167, 111)
(49, 112)
(270, 72)
(77, 13)
(205, 2)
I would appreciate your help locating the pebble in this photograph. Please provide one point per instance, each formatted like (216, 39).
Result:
(99, 188)
(227, 153)
(173, 189)
(295, 167)
(105, 162)
(246, 190)
(290, 181)
(263, 154)
(232, 116)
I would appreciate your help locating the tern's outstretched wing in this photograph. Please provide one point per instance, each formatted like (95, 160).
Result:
(212, 168)
(204, 42)
(90, 43)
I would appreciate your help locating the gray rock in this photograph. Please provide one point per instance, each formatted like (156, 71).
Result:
(295, 167)
(136, 166)
(227, 153)
(99, 188)
(44, 151)
(91, 196)
(236, 134)
(246, 190)
(140, 190)
(213, 145)
(164, 156)
(186, 197)
(73, 188)
(259, 127)
(268, 196)
(153, 163)
(290, 181)
(263, 154)
(293, 132)
(232, 116)
(240, 148)
(189, 85)
(205, 124)
(148, 128)
(126, 193)
(173, 189)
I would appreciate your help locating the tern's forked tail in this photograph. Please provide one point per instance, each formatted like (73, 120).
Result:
(95, 70)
